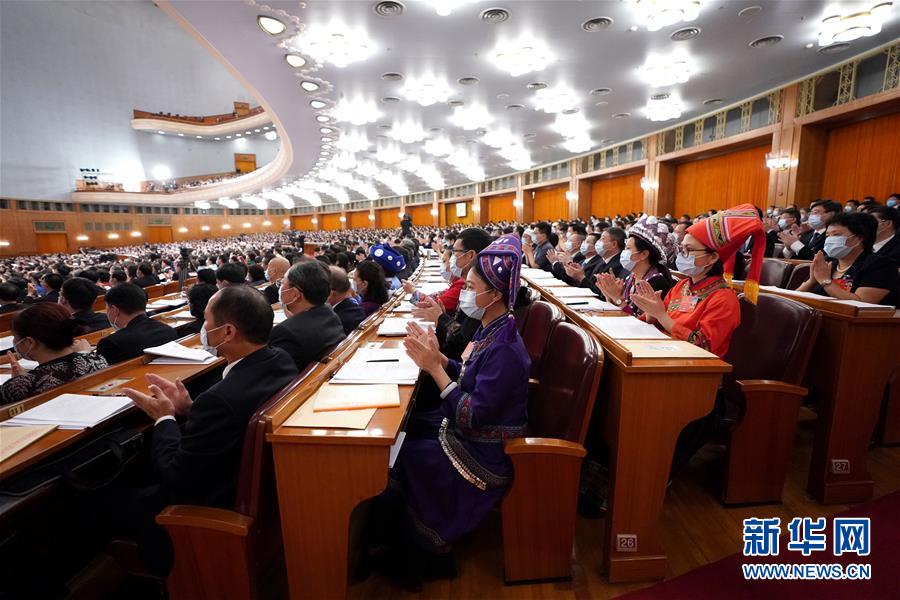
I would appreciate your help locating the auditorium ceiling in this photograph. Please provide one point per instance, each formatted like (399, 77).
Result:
(386, 98)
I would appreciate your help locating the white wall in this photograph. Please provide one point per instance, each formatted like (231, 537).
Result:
(72, 72)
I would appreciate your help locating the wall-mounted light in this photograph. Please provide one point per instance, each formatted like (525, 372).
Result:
(204, 228)
(780, 161)
(434, 212)
(371, 217)
(135, 234)
(113, 236)
(81, 238)
(182, 230)
(226, 226)
(267, 223)
(342, 219)
(287, 222)
(571, 195)
(649, 184)
(476, 208)
(246, 225)
(314, 221)
(517, 203)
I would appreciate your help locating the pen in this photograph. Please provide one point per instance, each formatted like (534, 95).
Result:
(577, 303)
(383, 360)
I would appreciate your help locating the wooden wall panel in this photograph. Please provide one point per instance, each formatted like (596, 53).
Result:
(302, 222)
(550, 204)
(863, 159)
(500, 208)
(450, 218)
(331, 221)
(51, 243)
(387, 218)
(722, 181)
(421, 215)
(617, 195)
(159, 235)
(358, 219)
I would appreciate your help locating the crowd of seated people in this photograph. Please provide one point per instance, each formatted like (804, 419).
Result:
(627, 260)
(177, 186)
(204, 120)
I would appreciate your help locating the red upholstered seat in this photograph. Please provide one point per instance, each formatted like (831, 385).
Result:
(775, 272)
(542, 318)
(798, 276)
(769, 352)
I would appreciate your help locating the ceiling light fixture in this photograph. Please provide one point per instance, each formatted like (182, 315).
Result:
(649, 184)
(581, 143)
(439, 147)
(309, 86)
(356, 112)
(295, 60)
(426, 90)
(335, 43)
(271, 136)
(662, 70)
(202, 205)
(389, 154)
(663, 108)
(521, 57)
(555, 100)
(317, 104)
(444, 7)
(408, 132)
(662, 13)
(354, 141)
(182, 230)
(570, 125)
(323, 118)
(270, 25)
(840, 27)
(471, 117)
(204, 228)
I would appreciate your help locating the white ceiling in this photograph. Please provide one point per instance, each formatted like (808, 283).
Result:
(460, 45)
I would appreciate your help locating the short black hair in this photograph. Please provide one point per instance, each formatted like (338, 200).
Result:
(231, 272)
(246, 309)
(616, 234)
(544, 228)
(791, 211)
(257, 273)
(887, 214)
(119, 276)
(313, 279)
(127, 297)
(474, 238)
(145, 268)
(827, 205)
(206, 276)
(862, 224)
(79, 292)
(9, 292)
(53, 281)
(579, 229)
(198, 298)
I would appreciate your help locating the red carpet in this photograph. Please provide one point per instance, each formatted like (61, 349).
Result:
(724, 579)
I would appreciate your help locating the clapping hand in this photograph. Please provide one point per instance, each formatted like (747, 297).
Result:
(408, 287)
(612, 287)
(157, 404)
(564, 257)
(575, 271)
(423, 348)
(551, 255)
(14, 365)
(648, 300)
(820, 269)
(428, 310)
(788, 238)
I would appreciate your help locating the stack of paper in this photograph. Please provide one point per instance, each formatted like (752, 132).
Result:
(4, 377)
(571, 292)
(627, 328)
(72, 411)
(280, 317)
(866, 305)
(355, 397)
(15, 439)
(590, 304)
(184, 314)
(537, 274)
(808, 295)
(396, 326)
(403, 307)
(173, 353)
(166, 303)
(378, 365)
(6, 343)
(305, 416)
(431, 288)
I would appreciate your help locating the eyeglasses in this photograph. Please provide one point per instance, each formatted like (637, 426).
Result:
(455, 251)
(685, 251)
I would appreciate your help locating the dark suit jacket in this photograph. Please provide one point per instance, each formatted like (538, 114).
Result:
(350, 313)
(613, 266)
(89, 321)
(142, 332)
(145, 280)
(305, 336)
(197, 462)
(11, 307)
(891, 251)
(812, 243)
(559, 271)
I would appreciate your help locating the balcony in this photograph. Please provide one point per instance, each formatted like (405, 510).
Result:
(239, 120)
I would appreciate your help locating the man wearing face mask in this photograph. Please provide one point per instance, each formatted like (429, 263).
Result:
(887, 244)
(197, 460)
(342, 299)
(788, 221)
(847, 269)
(462, 254)
(126, 306)
(536, 255)
(806, 245)
(311, 327)
(585, 257)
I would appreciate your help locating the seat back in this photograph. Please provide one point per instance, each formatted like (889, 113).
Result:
(775, 272)
(774, 340)
(542, 319)
(154, 291)
(560, 405)
(798, 276)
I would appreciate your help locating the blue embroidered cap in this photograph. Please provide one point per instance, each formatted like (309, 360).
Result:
(390, 260)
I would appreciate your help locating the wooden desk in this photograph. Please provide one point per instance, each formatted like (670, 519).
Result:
(854, 357)
(323, 474)
(644, 404)
(55, 441)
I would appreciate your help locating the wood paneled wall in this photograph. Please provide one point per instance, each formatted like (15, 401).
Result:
(722, 181)
(386, 218)
(358, 219)
(550, 204)
(331, 221)
(863, 159)
(500, 208)
(421, 215)
(302, 222)
(450, 218)
(617, 195)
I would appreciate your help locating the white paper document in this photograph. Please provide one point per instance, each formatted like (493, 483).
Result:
(571, 292)
(865, 305)
(6, 343)
(4, 377)
(396, 326)
(431, 288)
(183, 354)
(809, 295)
(378, 365)
(72, 411)
(280, 317)
(537, 274)
(590, 304)
(184, 314)
(627, 328)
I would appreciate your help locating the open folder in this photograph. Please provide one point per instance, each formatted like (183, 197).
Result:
(354, 397)
(378, 365)
(16, 439)
(72, 411)
(173, 353)
(627, 328)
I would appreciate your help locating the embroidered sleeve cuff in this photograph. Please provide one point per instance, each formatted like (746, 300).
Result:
(161, 419)
(681, 332)
(447, 390)
(797, 247)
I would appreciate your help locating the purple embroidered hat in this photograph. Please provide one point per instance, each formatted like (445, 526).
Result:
(500, 264)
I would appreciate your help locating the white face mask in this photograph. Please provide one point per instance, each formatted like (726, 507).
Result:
(284, 304)
(455, 269)
(20, 352)
(687, 265)
(468, 306)
(782, 224)
(204, 340)
(584, 248)
(568, 246)
(625, 260)
(836, 246)
(814, 220)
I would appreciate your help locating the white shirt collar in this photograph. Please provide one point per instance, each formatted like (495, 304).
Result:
(821, 229)
(879, 245)
(229, 367)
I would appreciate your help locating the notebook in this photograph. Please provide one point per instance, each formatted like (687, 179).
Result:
(73, 411)
(396, 326)
(378, 365)
(355, 397)
(590, 304)
(571, 292)
(305, 416)
(627, 328)
(15, 439)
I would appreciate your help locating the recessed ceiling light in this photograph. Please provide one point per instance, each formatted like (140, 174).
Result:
(199, 137)
(455, 103)
(601, 103)
(325, 129)
(237, 135)
(712, 101)
(227, 137)
(325, 138)
(809, 45)
(317, 104)
(248, 132)
(596, 24)
(256, 130)
(295, 60)
(322, 118)
(601, 91)
(470, 80)
(309, 86)
(390, 99)
(662, 96)
(833, 48)
(515, 106)
(180, 135)
(684, 34)
(217, 139)
(266, 127)
(270, 25)
(161, 132)
(388, 8)
(621, 115)
(633, 28)
(536, 85)
(492, 16)
(391, 76)
(750, 11)
(765, 42)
